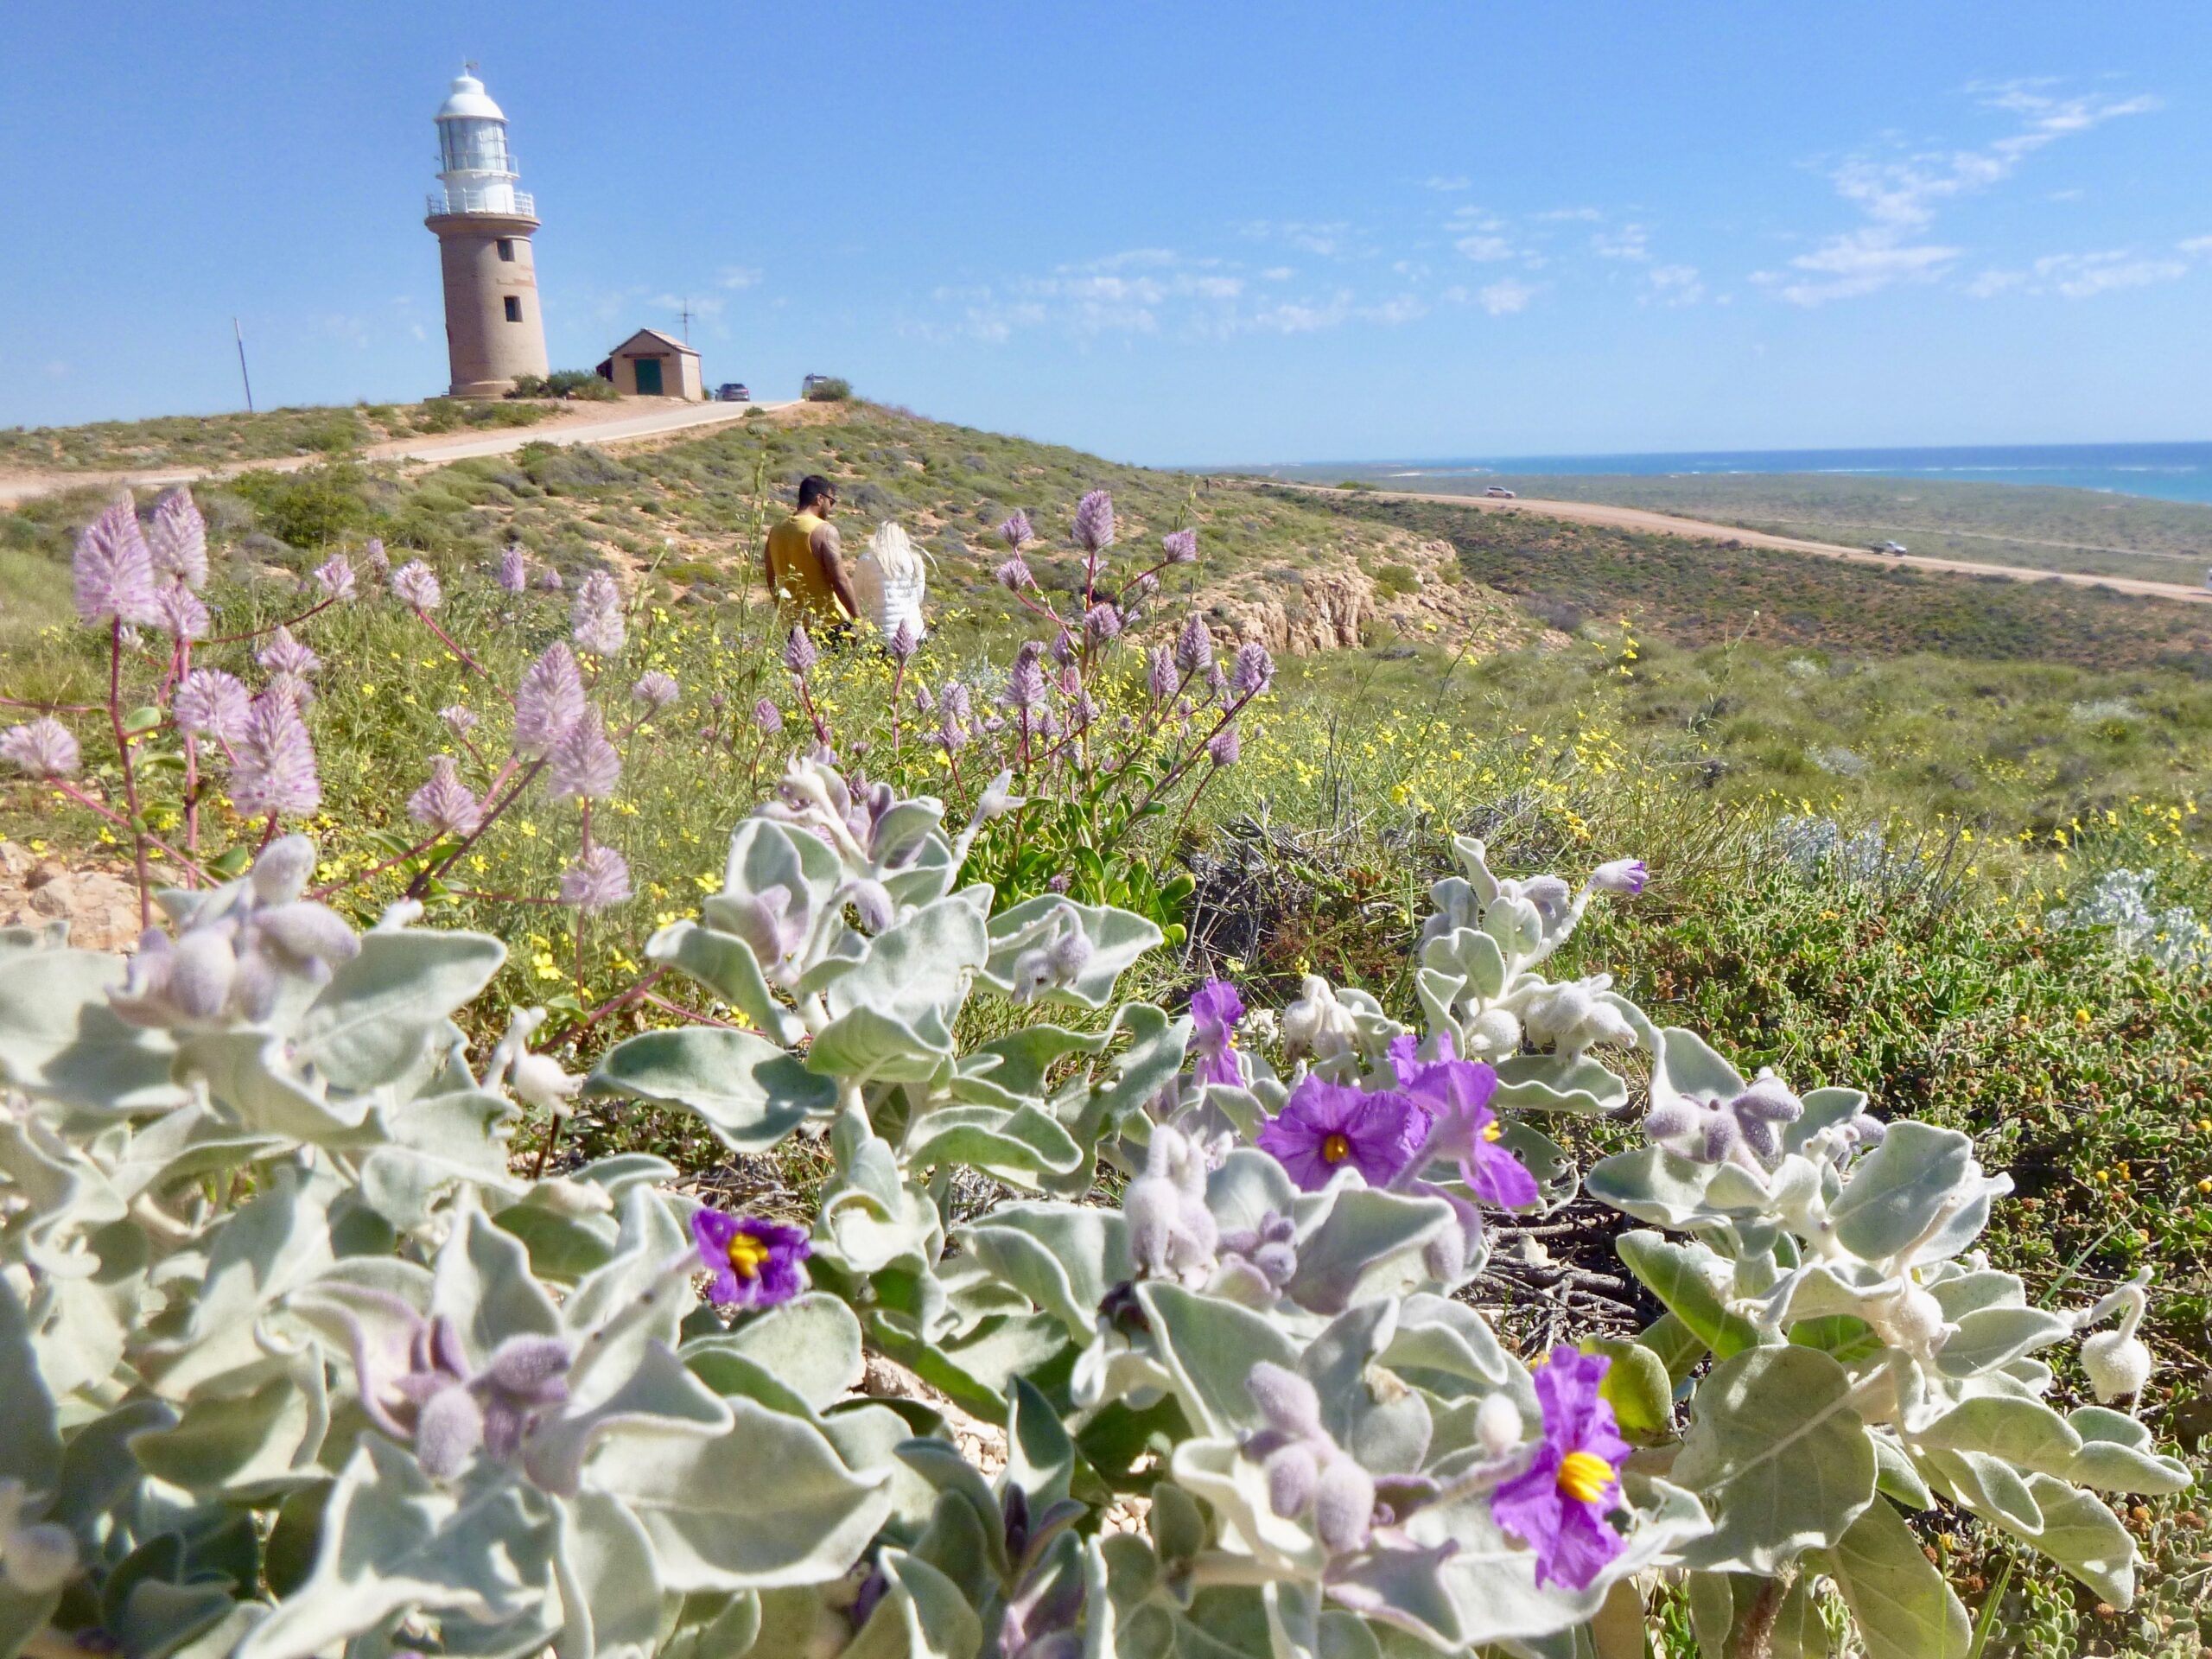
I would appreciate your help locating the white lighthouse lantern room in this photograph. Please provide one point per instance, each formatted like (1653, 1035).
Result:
(494, 333)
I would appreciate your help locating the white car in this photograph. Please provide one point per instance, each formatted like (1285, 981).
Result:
(1892, 547)
(1500, 492)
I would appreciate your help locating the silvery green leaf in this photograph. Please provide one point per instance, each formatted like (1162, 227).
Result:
(1040, 1459)
(864, 1045)
(870, 1215)
(1652, 1185)
(966, 1515)
(161, 1620)
(1903, 1607)
(744, 1088)
(1155, 1055)
(1445, 1347)
(482, 1283)
(30, 1450)
(610, 1587)
(1118, 938)
(1016, 1146)
(1359, 1243)
(394, 1541)
(977, 1367)
(768, 1504)
(1824, 1108)
(2116, 1454)
(1682, 1276)
(275, 1244)
(1636, 1386)
(244, 1446)
(1063, 1257)
(1473, 957)
(96, 1468)
(2077, 1531)
(1516, 926)
(812, 1344)
(1247, 1188)
(725, 963)
(922, 1616)
(1900, 1190)
(634, 1299)
(1991, 1336)
(2093, 1446)
(246, 1074)
(59, 1037)
(1211, 1346)
(916, 972)
(1962, 1292)
(1779, 1457)
(1685, 1064)
(1012, 1068)
(1215, 1470)
(765, 854)
(23, 1614)
(1895, 1478)
(383, 1009)
(1549, 1082)
(62, 1195)
(653, 1392)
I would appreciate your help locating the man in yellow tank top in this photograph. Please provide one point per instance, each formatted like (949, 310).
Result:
(804, 561)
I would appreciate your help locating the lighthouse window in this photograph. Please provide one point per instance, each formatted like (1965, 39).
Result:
(507, 249)
(514, 309)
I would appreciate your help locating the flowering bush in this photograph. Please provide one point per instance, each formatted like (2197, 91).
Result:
(296, 1362)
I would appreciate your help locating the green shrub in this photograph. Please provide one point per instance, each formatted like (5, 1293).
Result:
(830, 389)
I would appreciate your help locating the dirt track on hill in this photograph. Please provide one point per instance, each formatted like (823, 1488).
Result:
(1661, 524)
(602, 424)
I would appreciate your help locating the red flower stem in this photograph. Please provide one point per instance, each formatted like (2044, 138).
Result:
(419, 848)
(256, 634)
(137, 825)
(63, 787)
(692, 1014)
(52, 707)
(450, 643)
(428, 873)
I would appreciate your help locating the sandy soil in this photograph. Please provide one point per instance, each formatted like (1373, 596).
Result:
(1638, 518)
(600, 423)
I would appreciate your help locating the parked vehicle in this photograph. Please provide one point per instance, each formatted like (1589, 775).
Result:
(1501, 493)
(1892, 548)
(733, 391)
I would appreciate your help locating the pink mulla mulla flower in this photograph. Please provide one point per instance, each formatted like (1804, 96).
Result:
(335, 576)
(1194, 647)
(799, 653)
(550, 580)
(513, 572)
(42, 748)
(445, 804)
(1181, 546)
(211, 703)
(1102, 622)
(1025, 681)
(1254, 671)
(656, 690)
(460, 718)
(905, 639)
(373, 555)
(1016, 530)
(549, 700)
(584, 764)
(1224, 748)
(598, 880)
(595, 618)
(113, 571)
(285, 655)
(1013, 576)
(177, 539)
(416, 584)
(1160, 673)
(182, 612)
(1094, 522)
(767, 717)
(276, 770)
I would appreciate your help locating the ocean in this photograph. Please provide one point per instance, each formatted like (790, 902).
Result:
(2170, 472)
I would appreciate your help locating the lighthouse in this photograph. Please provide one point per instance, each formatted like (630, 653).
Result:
(483, 223)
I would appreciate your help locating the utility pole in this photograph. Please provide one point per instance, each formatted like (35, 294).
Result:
(243, 375)
(685, 315)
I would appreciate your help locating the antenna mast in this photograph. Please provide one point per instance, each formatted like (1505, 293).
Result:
(243, 375)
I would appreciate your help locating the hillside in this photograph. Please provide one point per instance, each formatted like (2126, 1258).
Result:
(2038, 526)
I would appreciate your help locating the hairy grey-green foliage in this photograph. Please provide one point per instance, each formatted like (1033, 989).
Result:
(294, 1364)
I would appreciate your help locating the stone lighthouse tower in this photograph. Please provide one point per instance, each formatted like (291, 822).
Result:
(483, 223)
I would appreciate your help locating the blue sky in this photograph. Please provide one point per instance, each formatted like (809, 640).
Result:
(1169, 232)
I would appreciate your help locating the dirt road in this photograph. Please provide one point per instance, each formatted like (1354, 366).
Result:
(1661, 524)
(588, 424)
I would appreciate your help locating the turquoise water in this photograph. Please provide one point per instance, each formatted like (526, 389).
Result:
(2170, 472)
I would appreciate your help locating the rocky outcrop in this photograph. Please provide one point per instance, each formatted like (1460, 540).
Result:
(101, 909)
(1340, 604)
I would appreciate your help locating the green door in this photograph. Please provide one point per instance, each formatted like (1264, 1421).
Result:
(649, 377)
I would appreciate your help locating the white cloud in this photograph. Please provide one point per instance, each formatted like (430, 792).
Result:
(1406, 308)
(2197, 247)
(1277, 274)
(1326, 238)
(1626, 242)
(738, 277)
(1900, 196)
(1991, 283)
(2082, 276)
(1588, 214)
(1675, 284)
(1448, 184)
(1485, 249)
(1504, 298)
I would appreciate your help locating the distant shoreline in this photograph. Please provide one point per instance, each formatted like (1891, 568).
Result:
(2180, 471)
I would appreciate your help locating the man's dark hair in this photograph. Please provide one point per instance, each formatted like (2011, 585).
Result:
(812, 489)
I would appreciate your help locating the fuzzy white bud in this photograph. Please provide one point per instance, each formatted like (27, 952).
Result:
(2117, 1363)
(1498, 1425)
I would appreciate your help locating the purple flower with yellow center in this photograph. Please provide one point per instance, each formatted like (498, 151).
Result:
(1215, 1010)
(1466, 1130)
(751, 1263)
(1558, 1507)
(1325, 1126)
